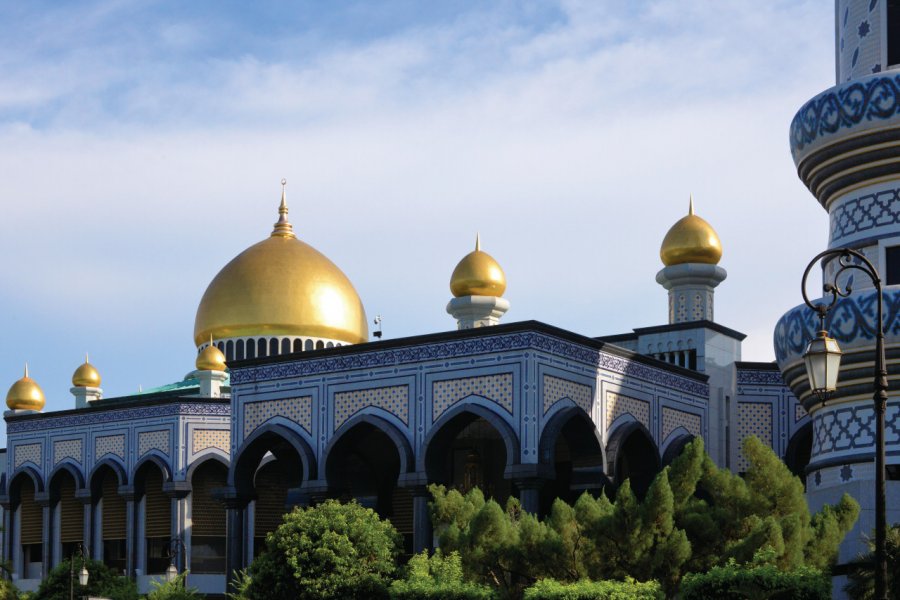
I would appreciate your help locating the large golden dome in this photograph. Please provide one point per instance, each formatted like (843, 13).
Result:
(691, 240)
(478, 274)
(281, 286)
(25, 394)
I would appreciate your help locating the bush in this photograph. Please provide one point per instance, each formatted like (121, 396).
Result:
(548, 589)
(173, 590)
(766, 581)
(861, 585)
(437, 578)
(332, 550)
(102, 581)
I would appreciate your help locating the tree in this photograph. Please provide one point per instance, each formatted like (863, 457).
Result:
(102, 581)
(177, 589)
(332, 550)
(861, 585)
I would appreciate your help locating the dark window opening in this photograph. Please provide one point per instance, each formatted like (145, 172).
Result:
(207, 554)
(239, 352)
(158, 558)
(893, 32)
(114, 554)
(892, 262)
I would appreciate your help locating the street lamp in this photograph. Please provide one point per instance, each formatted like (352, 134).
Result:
(823, 358)
(82, 574)
(172, 569)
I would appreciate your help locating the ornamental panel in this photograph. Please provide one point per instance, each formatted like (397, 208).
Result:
(63, 449)
(394, 399)
(673, 418)
(109, 444)
(799, 412)
(496, 388)
(211, 438)
(153, 440)
(555, 389)
(618, 404)
(754, 418)
(298, 410)
(27, 453)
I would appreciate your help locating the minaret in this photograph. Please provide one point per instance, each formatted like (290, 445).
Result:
(210, 371)
(477, 285)
(691, 251)
(845, 143)
(86, 384)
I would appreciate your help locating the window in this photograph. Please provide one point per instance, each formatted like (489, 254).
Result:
(207, 554)
(158, 555)
(892, 263)
(893, 32)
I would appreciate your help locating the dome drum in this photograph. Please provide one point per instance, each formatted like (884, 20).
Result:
(245, 348)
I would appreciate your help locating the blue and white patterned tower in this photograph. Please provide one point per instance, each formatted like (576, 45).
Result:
(846, 145)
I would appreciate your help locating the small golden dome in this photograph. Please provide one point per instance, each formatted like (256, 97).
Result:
(478, 274)
(691, 240)
(210, 359)
(281, 286)
(25, 394)
(86, 375)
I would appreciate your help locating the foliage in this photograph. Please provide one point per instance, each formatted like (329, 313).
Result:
(695, 516)
(548, 589)
(8, 591)
(332, 550)
(102, 581)
(861, 585)
(173, 590)
(749, 582)
(439, 577)
(240, 583)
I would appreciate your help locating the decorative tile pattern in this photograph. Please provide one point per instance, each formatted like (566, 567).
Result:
(394, 399)
(864, 214)
(63, 449)
(853, 428)
(799, 412)
(759, 377)
(845, 106)
(109, 444)
(555, 389)
(153, 440)
(617, 405)
(499, 343)
(27, 453)
(497, 388)
(298, 410)
(754, 418)
(672, 419)
(211, 438)
(205, 408)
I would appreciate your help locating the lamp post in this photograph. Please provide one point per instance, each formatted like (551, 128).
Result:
(172, 570)
(823, 362)
(83, 574)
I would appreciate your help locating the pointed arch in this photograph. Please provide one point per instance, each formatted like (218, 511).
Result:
(116, 466)
(399, 439)
(272, 437)
(452, 422)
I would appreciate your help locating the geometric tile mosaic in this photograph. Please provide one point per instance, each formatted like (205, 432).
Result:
(754, 418)
(555, 389)
(27, 453)
(109, 444)
(153, 440)
(672, 419)
(66, 449)
(617, 405)
(497, 388)
(394, 399)
(799, 412)
(211, 438)
(298, 410)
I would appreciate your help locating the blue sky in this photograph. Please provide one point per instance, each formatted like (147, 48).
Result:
(142, 145)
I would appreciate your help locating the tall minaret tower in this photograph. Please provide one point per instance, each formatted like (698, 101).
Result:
(845, 143)
(691, 252)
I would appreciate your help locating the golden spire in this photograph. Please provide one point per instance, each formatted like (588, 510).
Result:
(86, 375)
(691, 240)
(25, 394)
(283, 227)
(477, 242)
(691, 205)
(477, 274)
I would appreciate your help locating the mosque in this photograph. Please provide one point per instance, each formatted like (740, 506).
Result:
(292, 400)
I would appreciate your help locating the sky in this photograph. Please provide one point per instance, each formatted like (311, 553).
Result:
(142, 145)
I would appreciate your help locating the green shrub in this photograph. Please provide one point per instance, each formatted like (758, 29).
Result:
(741, 582)
(861, 585)
(102, 581)
(333, 550)
(439, 577)
(549, 589)
(173, 590)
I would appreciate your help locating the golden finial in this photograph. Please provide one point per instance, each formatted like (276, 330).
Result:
(477, 242)
(283, 228)
(25, 394)
(86, 375)
(26, 369)
(691, 205)
(477, 274)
